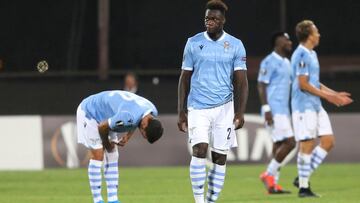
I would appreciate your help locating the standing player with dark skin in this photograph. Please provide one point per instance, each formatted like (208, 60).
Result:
(212, 96)
(274, 83)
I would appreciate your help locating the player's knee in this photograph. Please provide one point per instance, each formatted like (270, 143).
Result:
(291, 143)
(97, 155)
(219, 159)
(327, 142)
(200, 150)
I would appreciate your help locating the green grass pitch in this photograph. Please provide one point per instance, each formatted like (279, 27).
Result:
(335, 182)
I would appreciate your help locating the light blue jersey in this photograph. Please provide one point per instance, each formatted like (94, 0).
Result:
(213, 64)
(123, 110)
(275, 71)
(305, 62)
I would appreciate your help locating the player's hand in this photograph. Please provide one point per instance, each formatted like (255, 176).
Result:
(122, 141)
(182, 122)
(238, 121)
(269, 118)
(340, 99)
(345, 100)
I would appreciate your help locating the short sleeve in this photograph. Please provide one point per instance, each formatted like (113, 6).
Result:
(187, 62)
(240, 58)
(265, 72)
(154, 112)
(121, 121)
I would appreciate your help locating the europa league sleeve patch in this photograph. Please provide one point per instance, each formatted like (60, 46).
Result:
(263, 71)
(119, 123)
(302, 64)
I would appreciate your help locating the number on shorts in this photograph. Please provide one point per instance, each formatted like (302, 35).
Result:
(229, 132)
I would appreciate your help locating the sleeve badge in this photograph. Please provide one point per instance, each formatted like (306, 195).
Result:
(302, 64)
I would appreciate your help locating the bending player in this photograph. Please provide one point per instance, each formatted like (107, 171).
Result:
(99, 118)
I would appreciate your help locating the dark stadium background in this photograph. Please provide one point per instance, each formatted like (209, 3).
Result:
(148, 37)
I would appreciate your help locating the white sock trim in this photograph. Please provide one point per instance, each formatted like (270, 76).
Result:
(321, 152)
(198, 161)
(273, 167)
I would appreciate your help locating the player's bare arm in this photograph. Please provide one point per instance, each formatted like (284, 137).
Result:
(324, 92)
(344, 96)
(241, 91)
(263, 99)
(104, 129)
(183, 92)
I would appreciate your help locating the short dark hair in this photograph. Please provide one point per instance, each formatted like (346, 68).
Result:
(275, 36)
(154, 130)
(303, 30)
(217, 5)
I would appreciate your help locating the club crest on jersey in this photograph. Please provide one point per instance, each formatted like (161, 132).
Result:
(226, 45)
(302, 64)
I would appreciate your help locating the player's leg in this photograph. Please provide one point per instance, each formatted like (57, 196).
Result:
(268, 176)
(198, 125)
(94, 173)
(283, 151)
(327, 140)
(222, 138)
(111, 173)
(216, 175)
(284, 143)
(276, 146)
(321, 151)
(88, 135)
(198, 171)
(305, 125)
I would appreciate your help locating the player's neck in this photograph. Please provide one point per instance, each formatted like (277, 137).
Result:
(215, 36)
(308, 45)
(280, 52)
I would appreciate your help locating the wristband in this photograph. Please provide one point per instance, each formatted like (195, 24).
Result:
(265, 108)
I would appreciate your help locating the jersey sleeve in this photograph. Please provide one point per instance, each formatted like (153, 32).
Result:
(265, 72)
(240, 58)
(121, 120)
(302, 65)
(154, 112)
(187, 62)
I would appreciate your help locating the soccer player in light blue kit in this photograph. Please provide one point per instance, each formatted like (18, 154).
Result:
(309, 117)
(212, 97)
(99, 118)
(274, 81)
